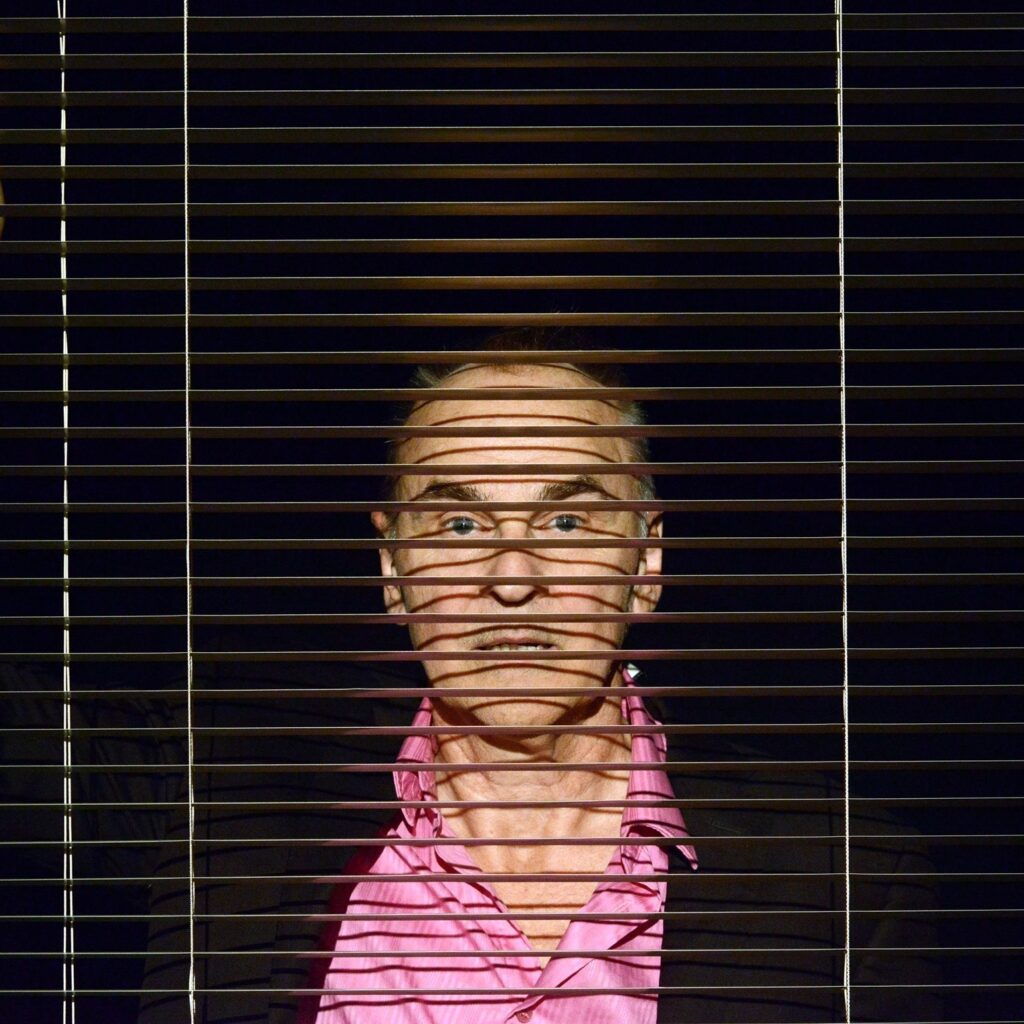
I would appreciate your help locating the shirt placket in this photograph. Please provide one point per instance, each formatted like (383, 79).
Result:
(456, 860)
(617, 894)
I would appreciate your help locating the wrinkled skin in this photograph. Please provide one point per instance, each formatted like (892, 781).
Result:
(498, 594)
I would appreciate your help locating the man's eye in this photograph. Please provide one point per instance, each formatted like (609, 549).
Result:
(566, 523)
(462, 525)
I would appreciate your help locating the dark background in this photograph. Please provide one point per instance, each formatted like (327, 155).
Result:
(932, 697)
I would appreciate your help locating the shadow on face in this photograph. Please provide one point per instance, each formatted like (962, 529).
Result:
(529, 566)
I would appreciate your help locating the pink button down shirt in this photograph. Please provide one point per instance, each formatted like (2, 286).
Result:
(486, 983)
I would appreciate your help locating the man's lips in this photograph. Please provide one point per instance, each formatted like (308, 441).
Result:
(513, 641)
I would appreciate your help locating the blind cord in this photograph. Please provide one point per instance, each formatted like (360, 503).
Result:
(68, 1008)
(190, 743)
(842, 513)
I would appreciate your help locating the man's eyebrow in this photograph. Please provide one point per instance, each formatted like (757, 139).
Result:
(560, 490)
(557, 490)
(443, 490)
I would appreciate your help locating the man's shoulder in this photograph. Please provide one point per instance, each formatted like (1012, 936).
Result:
(748, 812)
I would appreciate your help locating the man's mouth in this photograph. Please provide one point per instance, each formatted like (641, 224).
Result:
(517, 647)
(514, 644)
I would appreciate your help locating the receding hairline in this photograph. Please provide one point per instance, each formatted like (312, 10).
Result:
(621, 409)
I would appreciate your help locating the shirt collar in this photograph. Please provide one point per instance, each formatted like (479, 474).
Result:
(645, 784)
(411, 784)
(650, 784)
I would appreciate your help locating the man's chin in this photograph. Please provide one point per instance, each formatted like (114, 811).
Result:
(520, 674)
(511, 712)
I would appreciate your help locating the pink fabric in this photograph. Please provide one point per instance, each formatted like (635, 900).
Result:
(474, 987)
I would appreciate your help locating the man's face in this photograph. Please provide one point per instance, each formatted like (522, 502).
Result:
(504, 558)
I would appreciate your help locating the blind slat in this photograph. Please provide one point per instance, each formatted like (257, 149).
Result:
(774, 22)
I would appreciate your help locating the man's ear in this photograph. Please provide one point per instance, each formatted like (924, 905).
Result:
(647, 595)
(394, 600)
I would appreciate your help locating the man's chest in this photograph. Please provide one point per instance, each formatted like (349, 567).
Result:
(543, 910)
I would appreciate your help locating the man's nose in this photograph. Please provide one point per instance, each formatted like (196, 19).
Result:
(510, 562)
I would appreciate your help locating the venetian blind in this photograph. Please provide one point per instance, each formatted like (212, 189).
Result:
(228, 240)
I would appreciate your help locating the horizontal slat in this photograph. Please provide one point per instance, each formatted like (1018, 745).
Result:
(627, 654)
(486, 282)
(641, 22)
(255, 732)
(666, 915)
(453, 58)
(503, 208)
(504, 282)
(198, 469)
(689, 767)
(327, 98)
(920, 504)
(919, 132)
(364, 544)
(415, 693)
(760, 579)
(512, 394)
(265, 320)
(501, 618)
(886, 392)
(496, 171)
(473, 133)
(526, 208)
(621, 505)
(703, 430)
(347, 619)
(805, 468)
(664, 991)
(262, 321)
(443, 23)
(646, 357)
(335, 357)
(474, 878)
(893, 243)
(486, 171)
(796, 804)
(765, 579)
(780, 957)
(598, 954)
(704, 841)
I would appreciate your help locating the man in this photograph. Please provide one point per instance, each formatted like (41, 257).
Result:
(554, 769)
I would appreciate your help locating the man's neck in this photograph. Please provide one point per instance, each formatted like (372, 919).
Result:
(556, 771)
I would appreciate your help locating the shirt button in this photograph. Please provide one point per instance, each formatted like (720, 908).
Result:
(523, 1016)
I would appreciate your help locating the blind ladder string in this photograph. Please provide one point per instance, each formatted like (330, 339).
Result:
(68, 943)
(842, 513)
(190, 744)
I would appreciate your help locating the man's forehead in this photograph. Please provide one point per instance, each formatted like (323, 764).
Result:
(503, 411)
(461, 468)
(531, 409)
(510, 447)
